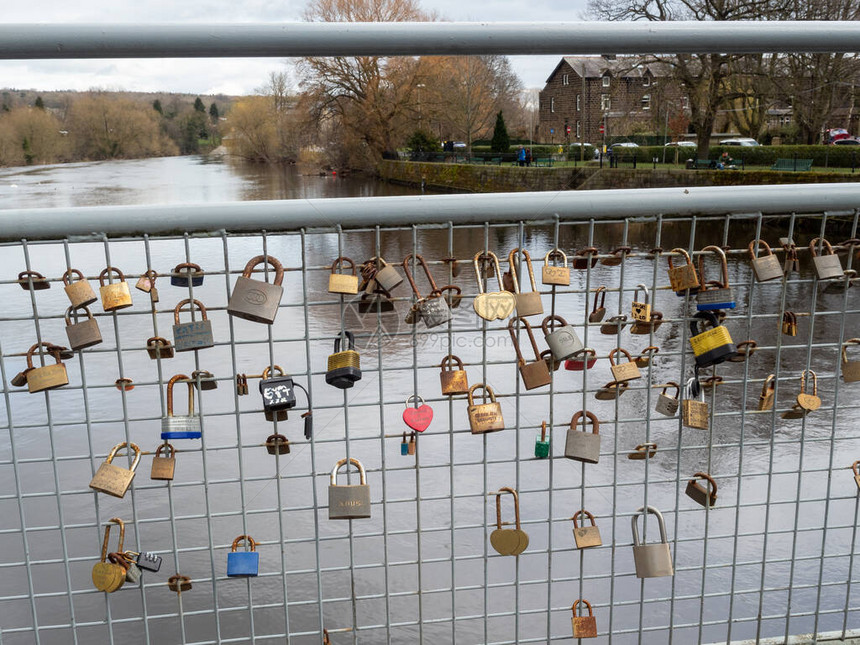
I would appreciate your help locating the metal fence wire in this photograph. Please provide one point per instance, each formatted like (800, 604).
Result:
(773, 556)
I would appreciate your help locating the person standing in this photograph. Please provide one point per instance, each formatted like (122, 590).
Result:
(521, 156)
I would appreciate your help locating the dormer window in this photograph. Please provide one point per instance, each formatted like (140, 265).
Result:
(646, 81)
(606, 80)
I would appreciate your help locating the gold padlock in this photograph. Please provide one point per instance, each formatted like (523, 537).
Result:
(47, 377)
(528, 302)
(534, 374)
(641, 309)
(340, 282)
(110, 576)
(694, 413)
(158, 347)
(491, 305)
(856, 468)
(623, 372)
(453, 381)
(768, 390)
(789, 323)
(80, 292)
(484, 417)
(115, 295)
(598, 311)
(683, 277)
(809, 402)
(584, 626)
(850, 368)
(766, 267)
(164, 467)
(643, 451)
(114, 480)
(552, 274)
(586, 536)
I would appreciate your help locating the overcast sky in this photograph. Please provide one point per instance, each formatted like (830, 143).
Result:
(228, 76)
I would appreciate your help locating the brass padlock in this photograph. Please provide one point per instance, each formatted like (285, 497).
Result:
(564, 342)
(344, 365)
(508, 541)
(433, 309)
(714, 294)
(180, 426)
(491, 305)
(611, 391)
(453, 381)
(158, 347)
(710, 346)
(163, 467)
(586, 536)
(856, 468)
(768, 390)
(110, 576)
(410, 447)
(827, 265)
(341, 282)
(616, 257)
(47, 377)
(585, 258)
(114, 295)
(80, 292)
(33, 281)
(809, 402)
(113, 480)
(277, 444)
(178, 583)
(348, 502)
(534, 374)
(529, 302)
(204, 380)
(641, 309)
(598, 311)
(745, 349)
(583, 626)
(82, 334)
(185, 273)
(552, 274)
(666, 404)
(646, 327)
(146, 282)
(766, 267)
(643, 451)
(623, 372)
(484, 417)
(195, 334)
(704, 496)
(683, 277)
(695, 413)
(850, 368)
(651, 560)
(614, 325)
(582, 445)
(256, 300)
(647, 356)
(789, 323)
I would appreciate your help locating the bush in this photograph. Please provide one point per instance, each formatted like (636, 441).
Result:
(423, 141)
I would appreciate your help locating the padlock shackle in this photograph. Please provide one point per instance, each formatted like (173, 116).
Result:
(543, 430)
(340, 261)
(600, 291)
(587, 604)
(277, 266)
(643, 287)
(586, 252)
(187, 268)
(106, 273)
(269, 369)
(49, 347)
(803, 380)
(555, 253)
(512, 329)
(487, 391)
(643, 451)
(246, 538)
(721, 256)
(587, 514)
(438, 293)
(651, 350)
(769, 385)
(622, 351)
(590, 416)
(355, 462)
(150, 275)
(420, 259)
(131, 446)
(498, 494)
(515, 272)
(856, 467)
(669, 384)
(350, 341)
(682, 252)
(824, 244)
(67, 276)
(753, 248)
(72, 310)
(275, 439)
(585, 351)
(448, 360)
(703, 317)
(177, 580)
(746, 348)
(660, 521)
(191, 305)
(850, 341)
(706, 477)
(111, 521)
(416, 398)
(174, 379)
(690, 388)
(549, 320)
(618, 387)
(170, 449)
(489, 256)
(157, 341)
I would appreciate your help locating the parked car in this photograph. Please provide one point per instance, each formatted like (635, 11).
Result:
(623, 144)
(459, 144)
(850, 141)
(740, 141)
(833, 135)
(682, 144)
(575, 146)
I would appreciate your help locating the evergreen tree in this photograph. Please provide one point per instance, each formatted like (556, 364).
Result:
(501, 141)
(213, 112)
(39, 103)
(198, 105)
(156, 105)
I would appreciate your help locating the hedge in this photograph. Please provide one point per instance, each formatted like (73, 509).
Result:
(822, 156)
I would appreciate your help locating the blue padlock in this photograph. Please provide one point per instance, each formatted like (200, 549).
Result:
(185, 273)
(404, 446)
(243, 564)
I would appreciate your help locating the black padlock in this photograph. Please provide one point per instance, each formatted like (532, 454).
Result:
(344, 367)
(278, 393)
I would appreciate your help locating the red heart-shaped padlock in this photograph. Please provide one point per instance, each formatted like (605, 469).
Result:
(418, 418)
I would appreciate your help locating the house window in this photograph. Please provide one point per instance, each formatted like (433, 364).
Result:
(604, 102)
(552, 104)
(565, 80)
(578, 102)
(646, 101)
(646, 81)
(578, 129)
(606, 80)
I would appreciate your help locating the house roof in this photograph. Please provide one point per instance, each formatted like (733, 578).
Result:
(598, 66)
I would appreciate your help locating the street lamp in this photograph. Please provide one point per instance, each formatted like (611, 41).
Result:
(419, 86)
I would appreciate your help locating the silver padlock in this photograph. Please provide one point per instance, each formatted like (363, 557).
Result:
(563, 342)
(133, 573)
(196, 334)
(766, 267)
(82, 334)
(433, 310)
(582, 445)
(666, 404)
(651, 560)
(386, 275)
(827, 265)
(348, 502)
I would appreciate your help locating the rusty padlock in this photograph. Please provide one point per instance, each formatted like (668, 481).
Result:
(80, 292)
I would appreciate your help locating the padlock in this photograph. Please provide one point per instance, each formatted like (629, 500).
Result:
(796, 412)
(850, 368)
(243, 564)
(827, 265)
(646, 327)
(766, 267)
(668, 405)
(614, 325)
(277, 444)
(410, 448)
(714, 294)
(563, 342)
(147, 561)
(484, 417)
(417, 417)
(640, 310)
(623, 372)
(180, 426)
(164, 466)
(348, 502)
(177, 583)
(542, 442)
(146, 282)
(33, 281)
(768, 390)
(809, 402)
(582, 360)
(598, 311)
(646, 356)
(387, 275)
(80, 292)
(745, 349)
(508, 541)
(341, 282)
(114, 295)
(186, 272)
(433, 309)
(710, 346)
(585, 258)
(534, 374)
(113, 480)
(694, 413)
(404, 445)
(529, 302)
(256, 300)
(204, 380)
(643, 451)
(277, 391)
(856, 468)
(132, 571)
(586, 536)
(552, 274)
(47, 377)
(491, 305)
(82, 334)
(158, 347)
(789, 323)
(704, 496)
(20, 379)
(551, 363)
(611, 391)
(110, 576)
(616, 257)
(326, 638)
(454, 381)
(582, 445)
(124, 384)
(684, 277)
(651, 560)
(344, 367)
(583, 626)
(374, 303)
